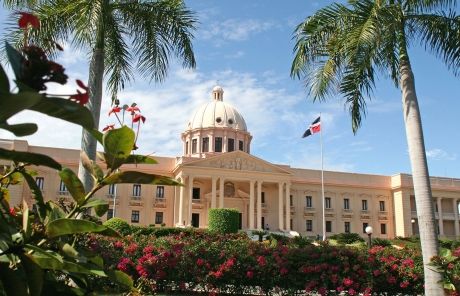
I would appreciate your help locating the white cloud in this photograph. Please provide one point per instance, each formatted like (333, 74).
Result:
(234, 30)
(235, 55)
(439, 154)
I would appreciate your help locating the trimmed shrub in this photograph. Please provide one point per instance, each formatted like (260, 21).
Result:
(120, 225)
(223, 220)
(347, 238)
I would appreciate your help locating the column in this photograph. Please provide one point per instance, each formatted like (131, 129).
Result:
(280, 206)
(440, 221)
(251, 204)
(221, 192)
(457, 226)
(259, 205)
(213, 195)
(288, 207)
(190, 194)
(181, 203)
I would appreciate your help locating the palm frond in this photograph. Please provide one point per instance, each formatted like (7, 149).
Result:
(424, 6)
(440, 34)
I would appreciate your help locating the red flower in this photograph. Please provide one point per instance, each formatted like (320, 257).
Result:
(404, 284)
(133, 109)
(138, 117)
(391, 280)
(351, 291)
(108, 127)
(118, 245)
(456, 253)
(115, 109)
(284, 271)
(347, 282)
(131, 249)
(80, 98)
(376, 272)
(13, 212)
(249, 274)
(28, 18)
(261, 260)
(200, 262)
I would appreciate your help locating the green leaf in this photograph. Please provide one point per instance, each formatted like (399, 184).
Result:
(37, 195)
(100, 206)
(26, 221)
(34, 274)
(139, 178)
(20, 129)
(83, 268)
(91, 166)
(4, 82)
(120, 277)
(119, 142)
(14, 57)
(140, 159)
(28, 157)
(68, 250)
(55, 212)
(66, 110)
(73, 184)
(65, 226)
(11, 104)
(46, 259)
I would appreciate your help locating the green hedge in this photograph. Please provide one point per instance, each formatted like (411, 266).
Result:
(223, 220)
(347, 238)
(120, 225)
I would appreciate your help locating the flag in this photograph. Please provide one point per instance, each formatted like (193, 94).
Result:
(315, 127)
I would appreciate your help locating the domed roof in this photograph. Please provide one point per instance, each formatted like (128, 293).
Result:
(217, 114)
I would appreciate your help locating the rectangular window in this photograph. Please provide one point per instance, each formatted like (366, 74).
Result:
(382, 206)
(309, 224)
(194, 144)
(158, 217)
(230, 144)
(364, 227)
(263, 197)
(291, 224)
(328, 226)
(327, 202)
(112, 189)
(309, 201)
(364, 205)
(40, 181)
(137, 190)
(186, 147)
(62, 187)
(263, 222)
(196, 193)
(241, 145)
(135, 216)
(291, 201)
(160, 193)
(346, 204)
(218, 144)
(347, 227)
(205, 145)
(383, 228)
(109, 214)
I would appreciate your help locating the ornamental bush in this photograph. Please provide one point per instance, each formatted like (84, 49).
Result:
(223, 220)
(347, 238)
(118, 224)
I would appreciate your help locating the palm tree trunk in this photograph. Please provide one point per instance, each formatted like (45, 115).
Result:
(88, 142)
(421, 179)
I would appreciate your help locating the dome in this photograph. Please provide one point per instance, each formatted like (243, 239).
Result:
(217, 114)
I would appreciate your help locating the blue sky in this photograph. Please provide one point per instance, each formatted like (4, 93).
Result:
(246, 47)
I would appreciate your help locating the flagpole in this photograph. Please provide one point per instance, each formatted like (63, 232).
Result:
(322, 179)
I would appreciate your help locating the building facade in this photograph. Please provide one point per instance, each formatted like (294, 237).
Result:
(218, 171)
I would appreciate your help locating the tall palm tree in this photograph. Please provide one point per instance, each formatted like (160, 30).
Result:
(119, 36)
(342, 47)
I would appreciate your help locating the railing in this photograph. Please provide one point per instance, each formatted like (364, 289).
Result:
(62, 192)
(309, 209)
(160, 200)
(196, 201)
(135, 197)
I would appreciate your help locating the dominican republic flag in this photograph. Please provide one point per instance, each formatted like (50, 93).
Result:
(315, 127)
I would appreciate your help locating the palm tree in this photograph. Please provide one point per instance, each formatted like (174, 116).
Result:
(341, 48)
(120, 36)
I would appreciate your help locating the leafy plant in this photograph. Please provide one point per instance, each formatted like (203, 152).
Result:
(118, 224)
(347, 238)
(38, 255)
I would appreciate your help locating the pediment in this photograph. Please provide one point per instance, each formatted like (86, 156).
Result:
(239, 161)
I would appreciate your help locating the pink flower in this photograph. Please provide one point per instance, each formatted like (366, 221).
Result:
(108, 127)
(456, 253)
(138, 117)
(351, 291)
(404, 284)
(394, 266)
(13, 212)
(131, 249)
(148, 250)
(391, 280)
(376, 272)
(283, 271)
(200, 262)
(347, 282)
(249, 274)
(322, 291)
(118, 245)
(450, 266)
(133, 109)
(261, 260)
(115, 109)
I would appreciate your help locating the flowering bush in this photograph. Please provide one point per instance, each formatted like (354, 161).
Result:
(449, 264)
(197, 260)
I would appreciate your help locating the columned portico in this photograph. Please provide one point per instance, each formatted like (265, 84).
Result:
(251, 204)
(280, 206)
(259, 205)
(213, 192)
(457, 226)
(181, 221)
(190, 195)
(288, 207)
(440, 221)
(221, 192)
